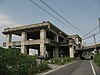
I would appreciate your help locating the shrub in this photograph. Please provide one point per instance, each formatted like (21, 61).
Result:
(97, 59)
(12, 62)
(59, 60)
(43, 67)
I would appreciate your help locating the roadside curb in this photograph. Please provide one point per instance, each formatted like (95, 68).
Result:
(58, 68)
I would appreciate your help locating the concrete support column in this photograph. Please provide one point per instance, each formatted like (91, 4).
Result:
(55, 52)
(71, 50)
(42, 41)
(56, 38)
(23, 42)
(99, 50)
(8, 40)
(77, 42)
(64, 40)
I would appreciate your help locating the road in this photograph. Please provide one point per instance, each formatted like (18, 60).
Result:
(82, 67)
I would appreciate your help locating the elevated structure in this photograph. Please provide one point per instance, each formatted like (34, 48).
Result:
(88, 52)
(91, 48)
(49, 40)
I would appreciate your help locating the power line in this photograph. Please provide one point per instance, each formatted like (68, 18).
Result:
(90, 31)
(99, 24)
(91, 36)
(67, 21)
(66, 14)
(48, 13)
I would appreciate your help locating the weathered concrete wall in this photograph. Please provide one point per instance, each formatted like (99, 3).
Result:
(43, 35)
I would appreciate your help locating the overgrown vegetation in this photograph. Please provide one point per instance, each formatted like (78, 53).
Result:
(12, 62)
(97, 59)
(60, 60)
(43, 67)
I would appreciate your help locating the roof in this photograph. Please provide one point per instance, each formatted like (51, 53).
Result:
(37, 26)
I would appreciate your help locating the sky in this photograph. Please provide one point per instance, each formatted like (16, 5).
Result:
(83, 14)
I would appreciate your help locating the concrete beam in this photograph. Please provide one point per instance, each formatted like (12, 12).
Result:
(33, 42)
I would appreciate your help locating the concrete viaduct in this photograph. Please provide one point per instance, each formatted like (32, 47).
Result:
(49, 40)
(91, 48)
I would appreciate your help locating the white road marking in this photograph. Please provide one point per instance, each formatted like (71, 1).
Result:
(92, 68)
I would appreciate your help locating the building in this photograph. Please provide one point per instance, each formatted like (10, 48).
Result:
(49, 40)
(75, 43)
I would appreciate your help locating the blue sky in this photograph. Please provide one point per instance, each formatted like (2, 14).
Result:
(83, 13)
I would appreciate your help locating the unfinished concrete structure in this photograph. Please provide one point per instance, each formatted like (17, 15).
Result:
(75, 43)
(49, 40)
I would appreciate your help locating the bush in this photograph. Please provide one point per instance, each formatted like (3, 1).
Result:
(97, 59)
(12, 62)
(43, 67)
(59, 60)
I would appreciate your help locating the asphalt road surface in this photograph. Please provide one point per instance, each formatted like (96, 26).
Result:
(82, 67)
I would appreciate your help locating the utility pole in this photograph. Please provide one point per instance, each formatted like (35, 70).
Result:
(95, 43)
(99, 24)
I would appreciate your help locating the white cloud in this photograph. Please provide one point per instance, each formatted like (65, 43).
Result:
(5, 21)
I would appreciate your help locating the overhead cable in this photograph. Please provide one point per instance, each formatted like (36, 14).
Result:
(67, 21)
(91, 36)
(66, 14)
(90, 31)
(49, 13)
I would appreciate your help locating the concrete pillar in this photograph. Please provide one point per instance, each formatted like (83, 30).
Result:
(8, 40)
(98, 51)
(55, 52)
(42, 41)
(77, 41)
(71, 50)
(56, 38)
(23, 42)
(64, 40)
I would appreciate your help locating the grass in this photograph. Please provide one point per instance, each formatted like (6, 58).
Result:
(60, 60)
(97, 59)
